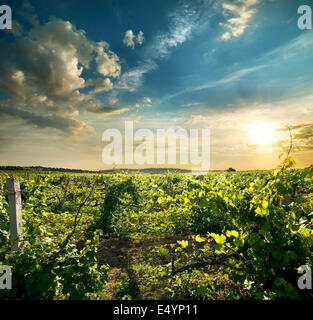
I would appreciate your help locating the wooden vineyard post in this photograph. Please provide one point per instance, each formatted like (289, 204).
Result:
(82, 179)
(106, 184)
(15, 211)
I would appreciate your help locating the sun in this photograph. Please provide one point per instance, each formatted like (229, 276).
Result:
(261, 133)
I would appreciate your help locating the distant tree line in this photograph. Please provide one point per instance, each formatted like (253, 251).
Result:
(39, 168)
(145, 170)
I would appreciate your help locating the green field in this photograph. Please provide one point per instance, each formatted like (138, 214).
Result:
(230, 235)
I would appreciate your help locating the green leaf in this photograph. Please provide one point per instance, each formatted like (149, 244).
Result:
(261, 211)
(258, 211)
(233, 233)
(239, 242)
(253, 239)
(220, 239)
(264, 204)
(183, 243)
(199, 239)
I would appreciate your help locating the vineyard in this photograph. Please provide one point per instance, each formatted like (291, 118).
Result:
(226, 235)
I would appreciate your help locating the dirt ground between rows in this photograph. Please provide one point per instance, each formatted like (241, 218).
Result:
(120, 254)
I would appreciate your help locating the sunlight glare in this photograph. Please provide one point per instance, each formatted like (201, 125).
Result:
(261, 133)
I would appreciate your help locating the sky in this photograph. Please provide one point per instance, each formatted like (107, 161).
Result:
(69, 70)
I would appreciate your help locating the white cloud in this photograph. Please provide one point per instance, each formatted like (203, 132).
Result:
(147, 100)
(62, 34)
(131, 39)
(182, 22)
(113, 100)
(300, 45)
(140, 38)
(55, 121)
(108, 62)
(241, 12)
(52, 71)
(41, 72)
(96, 106)
(216, 83)
(133, 78)
(187, 18)
(103, 85)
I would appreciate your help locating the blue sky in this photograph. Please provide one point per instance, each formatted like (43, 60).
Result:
(70, 70)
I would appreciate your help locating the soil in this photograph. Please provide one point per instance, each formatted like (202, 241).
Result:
(122, 253)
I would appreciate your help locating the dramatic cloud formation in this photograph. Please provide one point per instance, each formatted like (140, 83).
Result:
(43, 71)
(241, 12)
(65, 124)
(68, 74)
